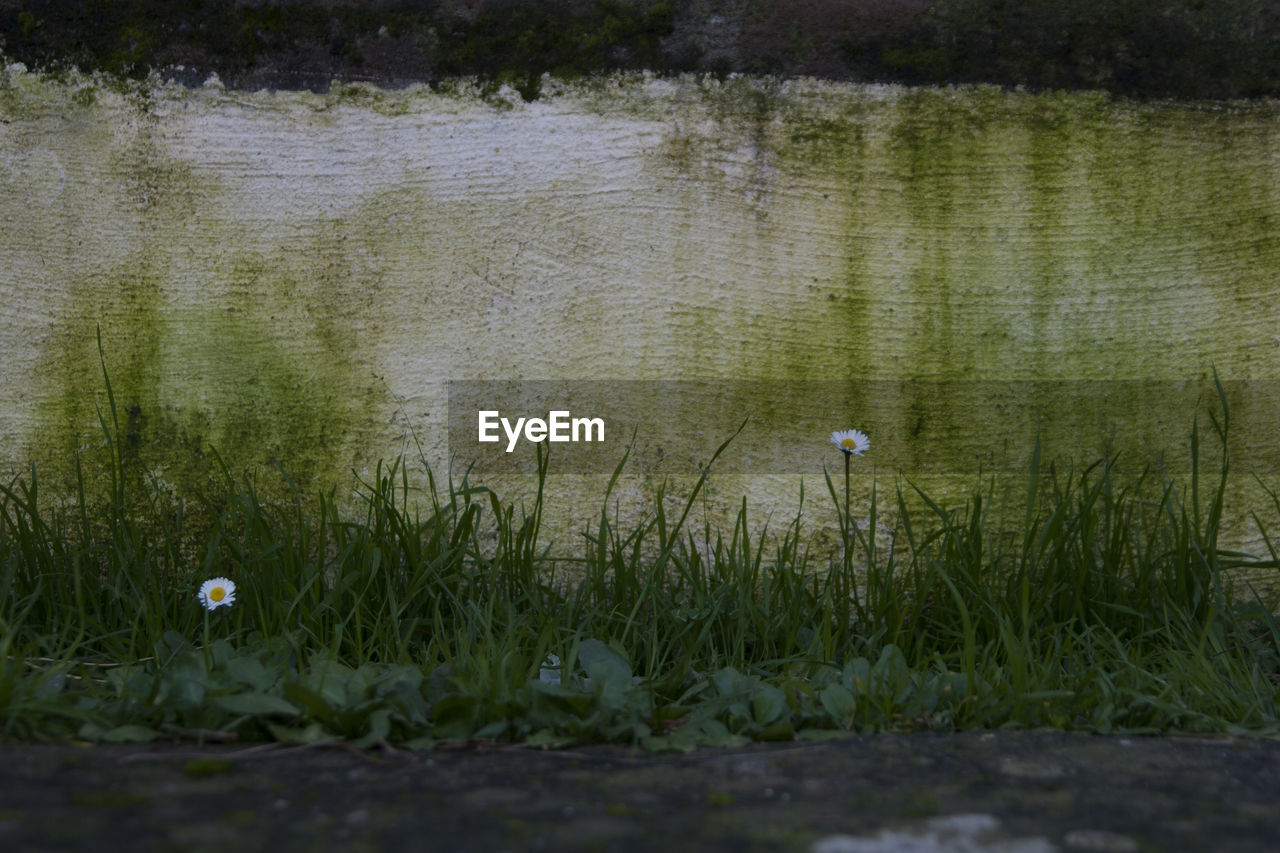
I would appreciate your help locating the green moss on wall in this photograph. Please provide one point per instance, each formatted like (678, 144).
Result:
(190, 385)
(211, 344)
(904, 246)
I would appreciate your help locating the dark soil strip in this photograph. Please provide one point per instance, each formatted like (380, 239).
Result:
(1009, 791)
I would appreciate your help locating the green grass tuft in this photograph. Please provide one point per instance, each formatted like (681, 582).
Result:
(1100, 603)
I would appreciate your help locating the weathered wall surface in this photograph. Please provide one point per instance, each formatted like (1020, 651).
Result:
(297, 277)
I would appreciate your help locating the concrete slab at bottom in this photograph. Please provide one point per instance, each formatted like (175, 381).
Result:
(959, 833)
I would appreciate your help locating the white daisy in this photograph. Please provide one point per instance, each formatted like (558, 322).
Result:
(217, 592)
(851, 441)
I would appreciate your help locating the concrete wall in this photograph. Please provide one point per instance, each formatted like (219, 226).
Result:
(297, 277)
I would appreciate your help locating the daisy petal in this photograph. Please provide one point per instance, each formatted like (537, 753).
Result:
(217, 592)
(851, 441)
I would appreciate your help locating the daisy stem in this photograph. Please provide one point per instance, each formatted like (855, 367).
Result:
(847, 584)
(208, 658)
(848, 516)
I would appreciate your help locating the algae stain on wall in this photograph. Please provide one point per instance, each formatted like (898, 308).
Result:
(249, 376)
(210, 344)
(1022, 233)
(958, 236)
(295, 277)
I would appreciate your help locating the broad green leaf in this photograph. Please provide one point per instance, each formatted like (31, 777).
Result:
(119, 734)
(768, 704)
(352, 721)
(189, 666)
(838, 701)
(250, 671)
(309, 734)
(822, 734)
(397, 678)
(329, 678)
(357, 684)
(548, 739)
(714, 733)
(890, 673)
(409, 704)
(604, 666)
(181, 691)
(681, 741)
(421, 743)
(857, 675)
(170, 645)
(729, 681)
(454, 718)
(255, 703)
(781, 730)
(495, 729)
(309, 700)
(220, 651)
(51, 684)
(379, 727)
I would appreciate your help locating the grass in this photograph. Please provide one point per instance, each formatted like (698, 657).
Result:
(1099, 603)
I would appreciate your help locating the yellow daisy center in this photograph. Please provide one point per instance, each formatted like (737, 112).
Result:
(217, 593)
(849, 443)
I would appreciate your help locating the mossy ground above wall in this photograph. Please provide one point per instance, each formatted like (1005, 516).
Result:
(1178, 48)
(294, 278)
